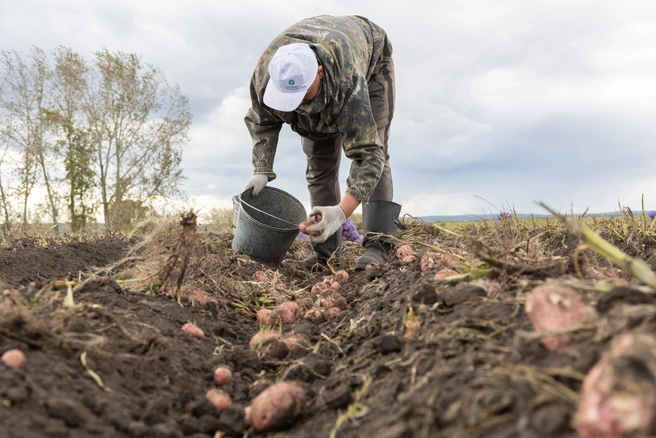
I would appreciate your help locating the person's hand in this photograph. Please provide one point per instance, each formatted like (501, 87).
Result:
(257, 183)
(330, 220)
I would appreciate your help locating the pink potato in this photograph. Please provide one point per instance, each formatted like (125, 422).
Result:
(247, 417)
(315, 313)
(330, 298)
(319, 287)
(332, 313)
(449, 260)
(445, 273)
(262, 316)
(341, 277)
(403, 251)
(274, 348)
(292, 340)
(618, 396)
(552, 307)
(263, 336)
(14, 358)
(430, 260)
(408, 259)
(193, 330)
(222, 376)
(277, 406)
(261, 277)
(286, 313)
(219, 398)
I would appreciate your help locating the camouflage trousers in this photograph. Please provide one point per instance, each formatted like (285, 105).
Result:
(324, 155)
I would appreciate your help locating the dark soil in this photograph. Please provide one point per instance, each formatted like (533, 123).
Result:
(411, 357)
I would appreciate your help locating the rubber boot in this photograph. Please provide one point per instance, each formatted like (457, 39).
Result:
(377, 217)
(322, 252)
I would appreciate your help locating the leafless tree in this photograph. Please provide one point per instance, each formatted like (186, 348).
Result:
(138, 123)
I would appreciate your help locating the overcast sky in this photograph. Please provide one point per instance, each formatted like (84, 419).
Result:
(499, 103)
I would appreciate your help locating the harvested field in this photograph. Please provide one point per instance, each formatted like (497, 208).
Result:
(437, 343)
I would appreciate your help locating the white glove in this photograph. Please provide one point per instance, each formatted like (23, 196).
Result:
(332, 219)
(257, 183)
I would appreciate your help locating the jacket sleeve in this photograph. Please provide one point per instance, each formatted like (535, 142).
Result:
(264, 127)
(361, 142)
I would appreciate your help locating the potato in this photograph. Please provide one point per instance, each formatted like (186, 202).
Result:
(304, 227)
(286, 313)
(618, 396)
(403, 251)
(277, 406)
(336, 286)
(262, 316)
(445, 273)
(315, 313)
(274, 348)
(449, 260)
(219, 398)
(14, 358)
(247, 417)
(330, 298)
(430, 260)
(552, 307)
(319, 287)
(222, 376)
(193, 330)
(332, 313)
(262, 336)
(261, 276)
(292, 340)
(408, 259)
(341, 276)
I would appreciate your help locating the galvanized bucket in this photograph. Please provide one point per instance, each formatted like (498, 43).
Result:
(266, 226)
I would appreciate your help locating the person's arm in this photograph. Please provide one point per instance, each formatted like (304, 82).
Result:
(264, 128)
(361, 144)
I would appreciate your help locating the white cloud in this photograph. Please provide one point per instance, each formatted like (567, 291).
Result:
(511, 100)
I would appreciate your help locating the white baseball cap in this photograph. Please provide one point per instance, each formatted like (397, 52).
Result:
(292, 70)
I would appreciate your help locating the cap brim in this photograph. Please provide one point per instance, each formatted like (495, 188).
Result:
(273, 98)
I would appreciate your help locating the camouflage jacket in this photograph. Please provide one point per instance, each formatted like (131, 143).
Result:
(351, 50)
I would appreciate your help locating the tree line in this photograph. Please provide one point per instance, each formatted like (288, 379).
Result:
(84, 138)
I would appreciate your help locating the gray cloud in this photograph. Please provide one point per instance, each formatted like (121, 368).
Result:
(510, 101)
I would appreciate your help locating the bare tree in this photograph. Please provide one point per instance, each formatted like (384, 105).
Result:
(138, 124)
(69, 89)
(24, 97)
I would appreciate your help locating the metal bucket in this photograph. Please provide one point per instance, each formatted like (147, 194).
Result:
(267, 225)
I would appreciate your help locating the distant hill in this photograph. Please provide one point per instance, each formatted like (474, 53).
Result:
(493, 217)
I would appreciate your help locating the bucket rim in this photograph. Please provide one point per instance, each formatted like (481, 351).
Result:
(273, 189)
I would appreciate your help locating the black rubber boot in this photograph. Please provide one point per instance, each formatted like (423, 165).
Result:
(377, 217)
(322, 252)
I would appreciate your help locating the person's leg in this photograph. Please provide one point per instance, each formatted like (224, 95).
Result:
(322, 172)
(322, 176)
(382, 95)
(379, 213)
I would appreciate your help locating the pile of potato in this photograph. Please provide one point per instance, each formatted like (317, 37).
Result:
(272, 409)
(618, 395)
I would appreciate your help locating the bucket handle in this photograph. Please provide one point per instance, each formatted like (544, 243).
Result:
(268, 214)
